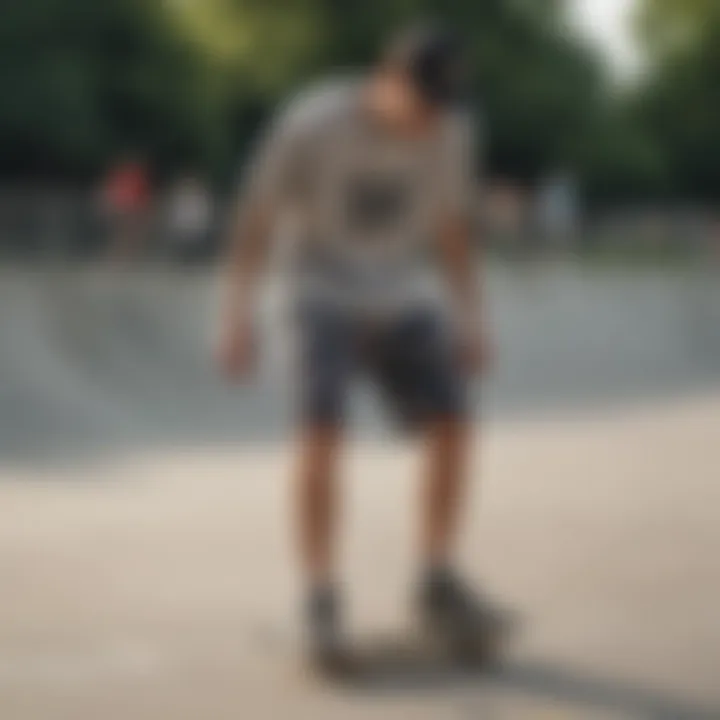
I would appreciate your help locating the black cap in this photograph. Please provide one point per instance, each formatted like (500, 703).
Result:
(432, 57)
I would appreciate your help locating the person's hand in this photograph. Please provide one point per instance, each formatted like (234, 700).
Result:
(235, 349)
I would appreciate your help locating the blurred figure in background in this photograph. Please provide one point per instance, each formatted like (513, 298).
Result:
(374, 180)
(125, 198)
(189, 218)
(558, 211)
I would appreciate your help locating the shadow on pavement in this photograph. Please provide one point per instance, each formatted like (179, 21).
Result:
(537, 681)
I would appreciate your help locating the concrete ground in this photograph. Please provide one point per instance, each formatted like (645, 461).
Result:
(146, 561)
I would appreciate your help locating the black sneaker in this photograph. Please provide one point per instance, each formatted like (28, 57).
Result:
(326, 648)
(467, 624)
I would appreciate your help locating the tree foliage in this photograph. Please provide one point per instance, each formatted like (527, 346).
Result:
(679, 104)
(186, 82)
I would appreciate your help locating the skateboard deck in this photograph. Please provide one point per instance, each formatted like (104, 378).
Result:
(412, 655)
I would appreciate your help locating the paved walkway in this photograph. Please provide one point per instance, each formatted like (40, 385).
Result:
(160, 585)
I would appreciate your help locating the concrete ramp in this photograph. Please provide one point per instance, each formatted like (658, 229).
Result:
(95, 360)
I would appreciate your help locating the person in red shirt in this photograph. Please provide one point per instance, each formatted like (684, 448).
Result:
(126, 198)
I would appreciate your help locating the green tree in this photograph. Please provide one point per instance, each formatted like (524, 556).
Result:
(83, 80)
(188, 81)
(679, 104)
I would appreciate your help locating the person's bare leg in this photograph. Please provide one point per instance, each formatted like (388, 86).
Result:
(317, 502)
(317, 509)
(472, 625)
(447, 450)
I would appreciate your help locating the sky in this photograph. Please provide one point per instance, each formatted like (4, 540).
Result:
(605, 22)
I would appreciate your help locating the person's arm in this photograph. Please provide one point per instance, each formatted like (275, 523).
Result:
(252, 225)
(459, 251)
(460, 260)
(246, 258)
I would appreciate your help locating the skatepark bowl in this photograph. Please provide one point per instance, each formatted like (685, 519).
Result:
(146, 559)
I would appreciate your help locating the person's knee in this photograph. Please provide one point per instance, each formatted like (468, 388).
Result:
(319, 444)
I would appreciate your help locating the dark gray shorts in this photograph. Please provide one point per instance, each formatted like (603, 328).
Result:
(410, 359)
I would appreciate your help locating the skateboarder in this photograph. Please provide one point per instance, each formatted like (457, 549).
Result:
(371, 180)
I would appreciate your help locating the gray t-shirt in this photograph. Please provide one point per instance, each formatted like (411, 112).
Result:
(357, 206)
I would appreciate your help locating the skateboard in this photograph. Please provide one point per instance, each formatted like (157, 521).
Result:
(417, 654)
